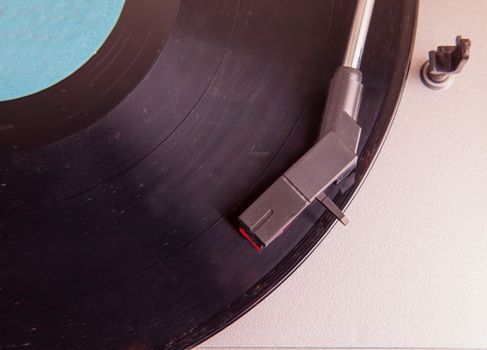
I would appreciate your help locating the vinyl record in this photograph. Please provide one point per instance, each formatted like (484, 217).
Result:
(120, 186)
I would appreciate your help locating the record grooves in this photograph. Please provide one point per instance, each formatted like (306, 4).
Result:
(98, 86)
(122, 184)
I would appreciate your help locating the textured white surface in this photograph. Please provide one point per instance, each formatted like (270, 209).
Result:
(410, 270)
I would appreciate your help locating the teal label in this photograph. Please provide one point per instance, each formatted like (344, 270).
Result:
(44, 41)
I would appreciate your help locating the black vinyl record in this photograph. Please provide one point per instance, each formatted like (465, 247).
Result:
(120, 187)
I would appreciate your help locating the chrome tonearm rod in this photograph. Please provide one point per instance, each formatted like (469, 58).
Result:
(329, 161)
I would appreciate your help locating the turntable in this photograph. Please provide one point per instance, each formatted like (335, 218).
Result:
(182, 172)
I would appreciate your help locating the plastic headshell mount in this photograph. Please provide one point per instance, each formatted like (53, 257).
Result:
(438, 72)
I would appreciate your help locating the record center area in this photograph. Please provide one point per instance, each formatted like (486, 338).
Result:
(44, 42)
